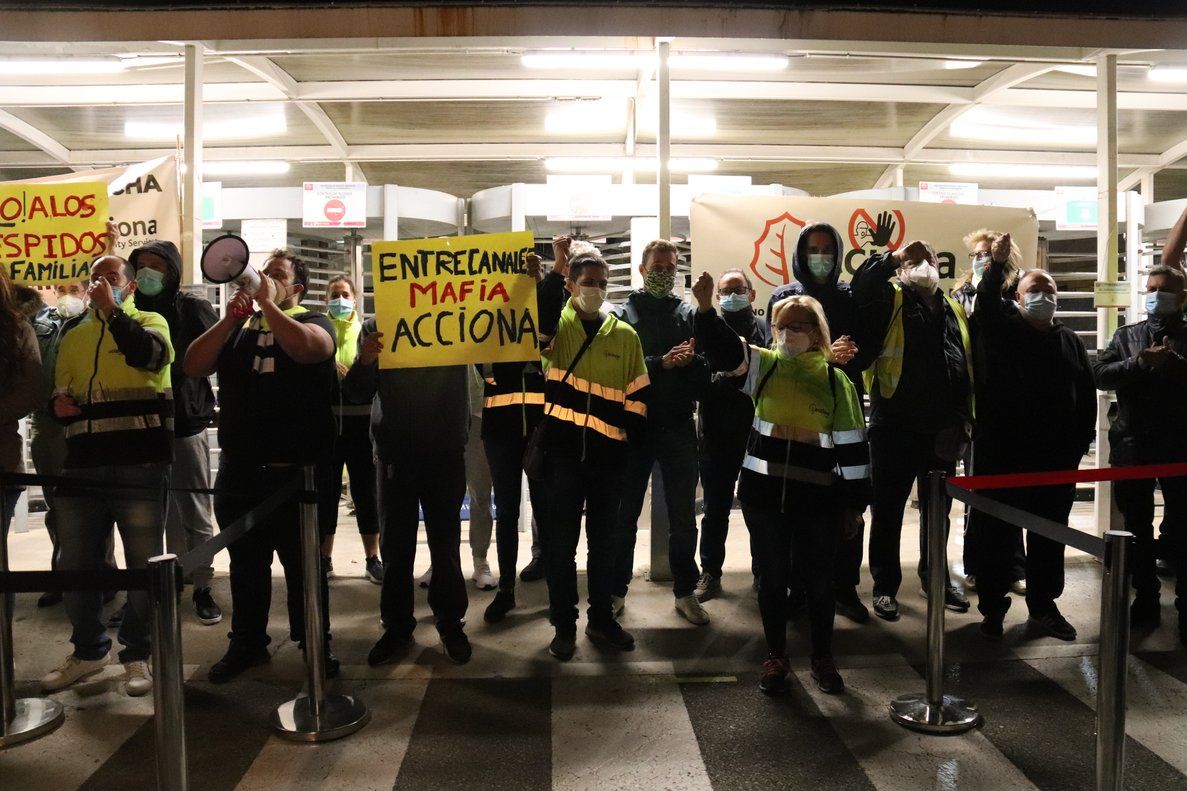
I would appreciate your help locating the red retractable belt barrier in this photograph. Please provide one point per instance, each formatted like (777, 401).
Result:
(1020, 479)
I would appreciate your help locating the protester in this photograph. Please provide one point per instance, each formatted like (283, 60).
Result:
(112, 394)
(816, 266)
(20, 366)
(1028, 358)
(724, 421)
(352, 439)
(596, 394)
(1144, 363)
(266, 434)
(921, 396)
(188, 521)
(679, 376)
(805, 477)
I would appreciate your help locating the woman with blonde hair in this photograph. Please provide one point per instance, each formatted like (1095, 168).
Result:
(979, 243)
(805, 477)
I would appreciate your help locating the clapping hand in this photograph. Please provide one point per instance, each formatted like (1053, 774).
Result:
(843, 350)
(679, 355)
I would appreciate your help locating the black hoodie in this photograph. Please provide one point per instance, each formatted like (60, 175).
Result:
(188, 317)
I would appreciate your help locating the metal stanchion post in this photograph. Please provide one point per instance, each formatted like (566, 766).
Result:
(316, 716)
(1114, 650)
(21, 719)
(933, 711)
(168, 678)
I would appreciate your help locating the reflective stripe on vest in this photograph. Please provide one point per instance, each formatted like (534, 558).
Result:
(513, 399)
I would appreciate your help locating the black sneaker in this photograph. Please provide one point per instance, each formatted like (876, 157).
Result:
(327, 567)
(533, 571)
(824, 673)
(502, 604)
(388, 647)
(235, 661)
(797, 600)
(991, 629)
(49, 599)
(457, 646)
(1145, 612)
(206, 608)
(1055, 625)
(774, 675)
(886, 608)
(954, 598)
(611, 634)
(375, 569)
(849, 604)
(564, 644)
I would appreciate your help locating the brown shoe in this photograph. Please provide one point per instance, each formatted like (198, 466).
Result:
(824, 673)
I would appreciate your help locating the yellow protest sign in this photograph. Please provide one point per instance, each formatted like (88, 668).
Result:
(50, 233)
(455, 301)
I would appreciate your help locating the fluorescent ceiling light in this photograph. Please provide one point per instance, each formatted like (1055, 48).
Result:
(51, 66)
(259, 125)
(726, 61)
(589, 59)
(982, 124)
(587, 117)
(990, 170)
(244, 167)
(1167, 74)
(963, 64)
(620, 164)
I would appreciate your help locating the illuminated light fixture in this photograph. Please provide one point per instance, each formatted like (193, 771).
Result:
(264, 125)
(587, 117)
(990, 170)
(244, 167)
(1083, 71)
(978, 124)
(620, 164)
(51, 66)
(726, 61)
(958, 63)
(1167, 74)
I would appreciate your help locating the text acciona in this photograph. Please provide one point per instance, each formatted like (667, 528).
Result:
(503, 326)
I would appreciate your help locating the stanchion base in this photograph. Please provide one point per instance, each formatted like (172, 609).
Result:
(35, 717)
(954, 715)
(341, 715)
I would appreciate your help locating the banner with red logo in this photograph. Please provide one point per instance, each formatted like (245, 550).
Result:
(758, 234)
(334, 204)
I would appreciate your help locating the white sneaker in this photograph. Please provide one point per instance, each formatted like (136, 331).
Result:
(690, 607)
(137, 678)
(617, 605)
(424, 579)
(482, 576)
(71, 671)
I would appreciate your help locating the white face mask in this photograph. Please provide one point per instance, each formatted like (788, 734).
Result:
(792, 344)
(589, 299)
(924, 277)
(1039, 306)
(70, 306)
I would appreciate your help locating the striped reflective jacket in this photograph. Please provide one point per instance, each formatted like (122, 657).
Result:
(512, 399)
(808, 429)
(604, 400)
(118, 373)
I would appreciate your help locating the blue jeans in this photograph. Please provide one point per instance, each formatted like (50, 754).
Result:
(85, 520)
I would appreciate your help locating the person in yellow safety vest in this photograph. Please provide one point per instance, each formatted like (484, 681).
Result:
(921, 397)
(113, 393)
(805, 476)
(596, 389)
(352, 439)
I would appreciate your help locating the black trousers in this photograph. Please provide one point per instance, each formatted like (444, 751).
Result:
(433, 480)
(505, 459)
(243, 487)
(971, 553)
(1135, 499)
(573, 485)
(899, 458)
(352, 450)
(810, 534)
(998, 543)
(721, 454)
(675, 448)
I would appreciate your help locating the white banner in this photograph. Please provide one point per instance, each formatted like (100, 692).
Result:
(144, 200)
(334, 204)
(758, 234)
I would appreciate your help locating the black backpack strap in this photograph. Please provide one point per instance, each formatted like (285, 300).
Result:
(763, 382)
(580, 353)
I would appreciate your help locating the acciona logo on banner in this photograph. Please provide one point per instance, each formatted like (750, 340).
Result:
(143, 200)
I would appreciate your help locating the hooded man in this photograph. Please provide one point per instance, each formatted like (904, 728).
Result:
(816, 266)
(187, 520)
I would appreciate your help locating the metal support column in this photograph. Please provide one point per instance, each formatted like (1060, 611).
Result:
(663, 140)
(1114, 650)
(168, 676)
(191, 189)
(1106, 258)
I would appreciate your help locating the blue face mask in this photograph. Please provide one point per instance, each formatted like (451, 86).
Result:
(732, 303)
(340, 307)
(118, 295)
(1162, 304)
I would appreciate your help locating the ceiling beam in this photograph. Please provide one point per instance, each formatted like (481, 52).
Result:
(31, 134)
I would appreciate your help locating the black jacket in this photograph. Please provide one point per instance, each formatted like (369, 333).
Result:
(1150, 426)
(726, 412)
(188, 317)
(1036, 399)
(662, 324)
